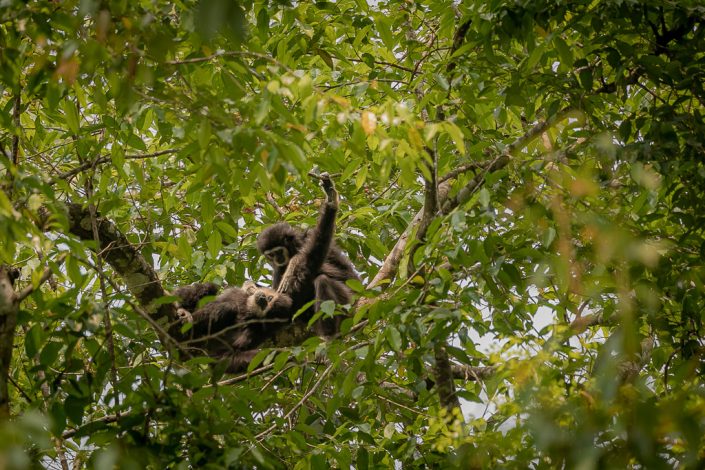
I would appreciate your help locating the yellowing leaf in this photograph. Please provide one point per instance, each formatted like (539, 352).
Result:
(415, 138)
(457, 135)
(369, 122)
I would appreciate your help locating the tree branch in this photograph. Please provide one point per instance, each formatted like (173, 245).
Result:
(102, 420)
(103, 291)
(27, 291)
(443, 376)
(99, 161)
(391, 263)
(16, 135)
(127, 261)
(9, 307)
(300, 403)
(221, 53)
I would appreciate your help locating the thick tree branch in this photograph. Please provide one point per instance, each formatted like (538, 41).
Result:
(391, 262)
(472, 373)
(420, 224)
(139, 275)
(9, 306)
(443, 376)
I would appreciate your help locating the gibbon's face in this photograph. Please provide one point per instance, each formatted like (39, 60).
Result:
(260, 300)
(279, 256)
(263, 298)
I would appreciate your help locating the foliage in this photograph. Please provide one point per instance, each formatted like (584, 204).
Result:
(563, 249)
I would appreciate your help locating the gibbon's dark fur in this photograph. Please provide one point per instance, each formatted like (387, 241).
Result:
(235, 322)
(307, 265)
(190, 295)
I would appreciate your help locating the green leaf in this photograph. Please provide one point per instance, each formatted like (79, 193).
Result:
(71, 116)
(484, 197)
(74, 408)
(50, 353)
(227, 229)
(215, 242)
(564, 52)
(394, 338)
(384, 30)
(281, 360)
(257, 360)
(33, 340)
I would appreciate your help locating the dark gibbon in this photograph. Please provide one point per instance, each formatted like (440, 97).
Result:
(190, 295)
(307, 265)
(236, 321)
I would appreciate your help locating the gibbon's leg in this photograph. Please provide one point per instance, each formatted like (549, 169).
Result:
(329, 289)
(239, 361)
(305, 264)
(190, 295)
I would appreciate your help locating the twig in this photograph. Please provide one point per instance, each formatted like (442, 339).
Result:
(303, 400)
(103, 290)
(27, 291)
(255, 55)
(390, 186)
(16, 136)
(462, 169)
(105, 419)
(46, 394)
(20, 389)
(274, 204)
(242, 377)
(382, 62)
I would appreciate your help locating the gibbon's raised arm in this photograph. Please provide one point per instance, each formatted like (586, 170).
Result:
(306, 264)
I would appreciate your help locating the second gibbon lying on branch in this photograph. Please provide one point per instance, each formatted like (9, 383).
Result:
(307, 265)
(237, 320)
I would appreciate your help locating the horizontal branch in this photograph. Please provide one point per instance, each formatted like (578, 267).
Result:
(102, 420)
(218, 54)
(387, 64)
(472, 373)
(105, 159)
(462, 169)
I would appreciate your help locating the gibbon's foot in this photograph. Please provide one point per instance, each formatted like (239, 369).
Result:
(184, 315)
(250, 287)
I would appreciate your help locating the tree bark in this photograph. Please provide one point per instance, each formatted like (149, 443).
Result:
(127, 261)
(9, 306)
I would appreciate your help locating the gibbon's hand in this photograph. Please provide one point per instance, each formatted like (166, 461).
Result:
(328, 186)
(289, 283)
